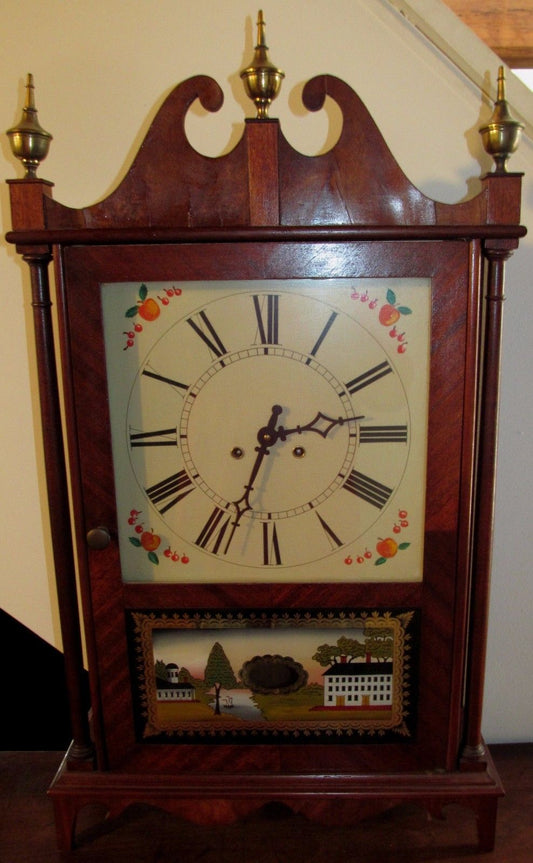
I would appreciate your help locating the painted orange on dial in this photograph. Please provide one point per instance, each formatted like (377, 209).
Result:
(387, 547)
(149, 310)
(150, 541)
(388, 315)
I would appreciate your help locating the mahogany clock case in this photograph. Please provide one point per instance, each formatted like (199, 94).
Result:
(437, 658)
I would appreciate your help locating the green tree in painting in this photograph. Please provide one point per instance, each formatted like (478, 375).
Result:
(219, 673)
(327, 654)
(161, 672)
(184, 675)
(379, 643)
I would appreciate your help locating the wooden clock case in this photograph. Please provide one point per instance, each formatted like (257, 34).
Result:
(266, 211)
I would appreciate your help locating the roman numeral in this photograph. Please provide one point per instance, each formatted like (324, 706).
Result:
(271, 553)
(368, 489)
(383, 434)
(269, 326)
(212, 533)
(147, 373)
(369, 377)
(204, 328)
(168, 492)
(163, 437)
(323, 334)
(332, 538)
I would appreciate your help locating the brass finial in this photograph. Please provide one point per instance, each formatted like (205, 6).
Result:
(262, 80)
(29, 141)
(501, 135)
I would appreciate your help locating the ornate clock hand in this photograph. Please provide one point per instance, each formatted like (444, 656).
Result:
(266, 436)
(313, 425)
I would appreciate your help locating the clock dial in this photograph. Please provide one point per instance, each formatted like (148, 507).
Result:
(269, 431)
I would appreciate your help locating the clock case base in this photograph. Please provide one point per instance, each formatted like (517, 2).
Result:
(222, 798)
(263, 191)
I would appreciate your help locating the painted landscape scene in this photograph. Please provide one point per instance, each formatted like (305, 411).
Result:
(283, 679)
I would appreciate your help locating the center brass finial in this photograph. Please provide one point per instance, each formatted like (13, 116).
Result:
(262, 80)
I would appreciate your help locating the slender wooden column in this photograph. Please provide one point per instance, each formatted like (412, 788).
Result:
(56, 478)
(486, 478)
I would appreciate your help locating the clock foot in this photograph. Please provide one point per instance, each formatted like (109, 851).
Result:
(221, 799)
(486, 825)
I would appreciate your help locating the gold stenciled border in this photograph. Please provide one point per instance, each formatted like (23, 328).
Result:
(145, 622)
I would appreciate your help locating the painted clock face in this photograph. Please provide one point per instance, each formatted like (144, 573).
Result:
(269, 431)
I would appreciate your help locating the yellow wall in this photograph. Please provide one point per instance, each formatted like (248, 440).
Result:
(101, 69)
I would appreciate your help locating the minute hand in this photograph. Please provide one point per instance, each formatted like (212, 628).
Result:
(322, 424)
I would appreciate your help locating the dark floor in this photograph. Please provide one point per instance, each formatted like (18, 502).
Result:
(146, 835)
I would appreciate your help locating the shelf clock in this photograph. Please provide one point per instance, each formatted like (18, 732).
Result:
(280, 379)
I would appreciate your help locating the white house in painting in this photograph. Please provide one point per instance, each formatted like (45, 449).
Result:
(358, 684)
(171, 689)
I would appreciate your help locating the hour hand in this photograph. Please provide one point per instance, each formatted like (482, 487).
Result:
(321, 424)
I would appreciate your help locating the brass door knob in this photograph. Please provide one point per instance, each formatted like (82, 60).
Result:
(98, 538)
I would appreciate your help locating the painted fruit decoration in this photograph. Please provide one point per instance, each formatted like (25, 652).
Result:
(150, 541)
(390, 313)
(387, 548)
(146, 307)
